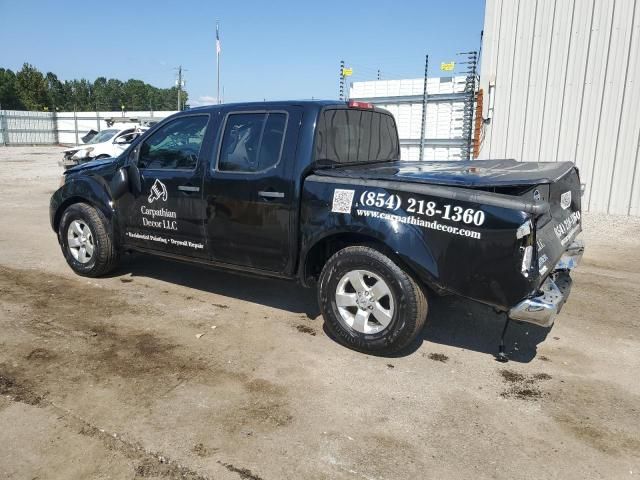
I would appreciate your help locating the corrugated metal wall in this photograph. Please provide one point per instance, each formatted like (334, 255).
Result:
(561, 80)
(403, 98)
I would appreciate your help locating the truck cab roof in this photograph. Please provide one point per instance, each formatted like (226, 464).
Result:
(310, 104)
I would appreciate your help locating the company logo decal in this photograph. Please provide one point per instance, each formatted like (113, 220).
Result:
(158, 192)
(536, 195)
(565, 200)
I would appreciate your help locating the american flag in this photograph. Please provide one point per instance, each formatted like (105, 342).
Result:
(218, 46)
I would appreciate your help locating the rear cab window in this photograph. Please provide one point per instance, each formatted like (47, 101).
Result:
(355, 136)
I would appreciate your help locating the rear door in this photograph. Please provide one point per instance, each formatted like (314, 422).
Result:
(248, 190)
(168, 214)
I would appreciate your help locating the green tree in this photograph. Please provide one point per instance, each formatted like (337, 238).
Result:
(31, 88)
(55, 92)
(9, 91)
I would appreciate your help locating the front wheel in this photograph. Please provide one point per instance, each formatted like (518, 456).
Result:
(370, 303)
(86, 241)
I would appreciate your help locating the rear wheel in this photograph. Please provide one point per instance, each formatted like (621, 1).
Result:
(86, 241)
(370, 303)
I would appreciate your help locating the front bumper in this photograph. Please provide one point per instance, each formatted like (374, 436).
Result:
(542, 309)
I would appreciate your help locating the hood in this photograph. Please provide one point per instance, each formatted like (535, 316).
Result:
(91, 165)
(473, 173)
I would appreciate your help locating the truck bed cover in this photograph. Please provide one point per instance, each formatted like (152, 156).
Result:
(470, 174)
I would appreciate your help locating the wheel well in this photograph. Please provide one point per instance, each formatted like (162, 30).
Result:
(325, 248)
(66, 204)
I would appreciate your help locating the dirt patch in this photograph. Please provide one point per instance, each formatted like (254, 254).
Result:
(40, 355)
(16, 390)
(511, 377)
(523, 387)
(201, 450)
(599, 414)
(139, 365)
(438, 357)
(245, 473)
(306, 329)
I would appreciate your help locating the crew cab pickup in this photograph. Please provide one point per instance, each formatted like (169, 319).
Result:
(314, 191)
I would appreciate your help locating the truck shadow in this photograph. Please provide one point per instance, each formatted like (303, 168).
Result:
(466, 324)
(452, 321)
(276, 293)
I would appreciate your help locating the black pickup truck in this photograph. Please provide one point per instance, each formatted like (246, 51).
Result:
(315, 191)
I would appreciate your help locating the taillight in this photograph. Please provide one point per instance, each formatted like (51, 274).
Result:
(356, 104)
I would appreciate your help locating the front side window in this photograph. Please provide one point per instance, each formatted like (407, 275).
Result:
(252, 142)
(175, 146)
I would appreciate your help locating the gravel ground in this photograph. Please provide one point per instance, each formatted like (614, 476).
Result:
(110, 378)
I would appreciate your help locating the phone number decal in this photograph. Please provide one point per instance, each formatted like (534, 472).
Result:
(453, 213)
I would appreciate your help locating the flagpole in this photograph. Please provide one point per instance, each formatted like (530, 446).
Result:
(218, 61)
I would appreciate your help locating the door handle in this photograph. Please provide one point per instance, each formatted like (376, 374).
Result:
(267, 194)
(188, 188)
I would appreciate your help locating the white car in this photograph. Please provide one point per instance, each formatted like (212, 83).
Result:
(106, 143)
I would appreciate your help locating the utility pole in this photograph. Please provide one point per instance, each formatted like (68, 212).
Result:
(179, 85)
(218, 51)
(424, 107)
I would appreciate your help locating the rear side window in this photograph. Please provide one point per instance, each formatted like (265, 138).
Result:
(348, 136)
(252, 142)
(175, 146)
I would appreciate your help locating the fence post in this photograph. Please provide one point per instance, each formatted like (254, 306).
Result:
(75, 122)
(3, 127)
(56, 131)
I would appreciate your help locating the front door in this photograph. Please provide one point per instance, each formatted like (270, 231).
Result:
(249, 189)
(168, 213)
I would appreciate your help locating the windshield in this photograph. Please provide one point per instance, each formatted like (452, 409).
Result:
(355, 136)
(103, 136)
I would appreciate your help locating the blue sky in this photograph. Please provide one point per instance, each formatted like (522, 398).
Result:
(272, 49)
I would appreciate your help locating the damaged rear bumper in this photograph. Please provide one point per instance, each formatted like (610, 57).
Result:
(542, 309)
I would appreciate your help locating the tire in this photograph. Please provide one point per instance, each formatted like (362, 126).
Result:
(82, 225)
(393, 312)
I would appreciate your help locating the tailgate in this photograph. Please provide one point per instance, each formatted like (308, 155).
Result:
(556, 230)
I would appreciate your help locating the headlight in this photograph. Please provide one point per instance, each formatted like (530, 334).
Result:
(82, 153)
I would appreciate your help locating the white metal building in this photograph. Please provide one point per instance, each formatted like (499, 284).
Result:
(403, 98)
(561, 81)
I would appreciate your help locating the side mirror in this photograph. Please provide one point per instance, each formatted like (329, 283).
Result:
(123, 140)
(135, 179)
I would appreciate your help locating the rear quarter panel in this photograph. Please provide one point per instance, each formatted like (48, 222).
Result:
(478, 259)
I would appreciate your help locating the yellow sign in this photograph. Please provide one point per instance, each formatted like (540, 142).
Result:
(447, 67)
(347, 72)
